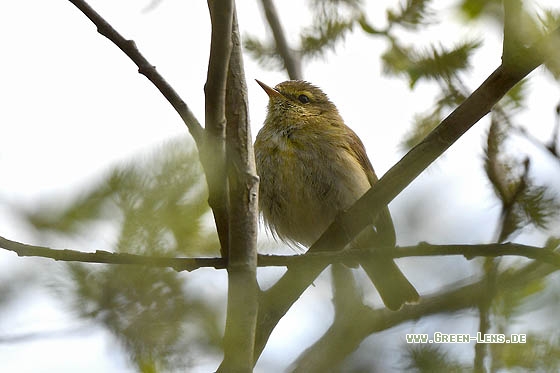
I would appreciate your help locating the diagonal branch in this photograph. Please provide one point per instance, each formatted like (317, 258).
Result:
(145, 68)
(276, 301)
(291, 60)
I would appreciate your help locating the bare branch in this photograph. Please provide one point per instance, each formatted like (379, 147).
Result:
(213, 154)
(145, 68)
(544, 255)
(292, 62)
(100, 256)
(242, 174)
(243, 290)
(276, 301)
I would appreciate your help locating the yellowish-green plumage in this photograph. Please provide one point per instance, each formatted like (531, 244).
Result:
(312, 166)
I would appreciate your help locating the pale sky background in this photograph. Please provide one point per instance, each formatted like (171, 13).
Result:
(72, 105)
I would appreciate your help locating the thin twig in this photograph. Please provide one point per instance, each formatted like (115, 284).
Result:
(145, 68)
(101, 256)
(544, 255)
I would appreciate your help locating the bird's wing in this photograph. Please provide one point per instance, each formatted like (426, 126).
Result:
(384, 222)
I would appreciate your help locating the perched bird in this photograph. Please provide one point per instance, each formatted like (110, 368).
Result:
(312, 167)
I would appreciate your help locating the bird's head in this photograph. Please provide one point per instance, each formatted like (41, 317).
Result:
(297, 101)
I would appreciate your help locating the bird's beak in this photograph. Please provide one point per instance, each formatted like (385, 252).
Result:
(271, 92)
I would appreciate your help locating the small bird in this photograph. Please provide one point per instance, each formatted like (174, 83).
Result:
(312, 167)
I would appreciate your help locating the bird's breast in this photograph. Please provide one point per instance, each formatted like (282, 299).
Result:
(305, 182)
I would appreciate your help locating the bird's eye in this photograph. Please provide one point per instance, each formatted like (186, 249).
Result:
(303, 99)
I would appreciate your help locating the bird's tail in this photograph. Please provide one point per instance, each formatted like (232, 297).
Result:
(393, 287)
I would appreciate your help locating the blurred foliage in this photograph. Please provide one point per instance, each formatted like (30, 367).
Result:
(411, 14)
(431, 358)
(160, 203)
(14, 285)
(541, 353)
(332, 20)
(474, 9)
(523, 202)
(160, 206)
(436, 63)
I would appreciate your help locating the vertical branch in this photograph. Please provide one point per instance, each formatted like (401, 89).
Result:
(481, 349)
(213, 154)
(508, 199)
(243, 290)
(292, 62)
